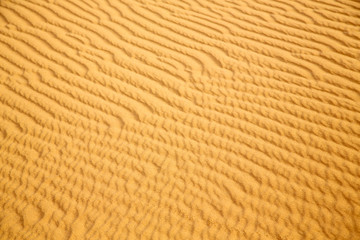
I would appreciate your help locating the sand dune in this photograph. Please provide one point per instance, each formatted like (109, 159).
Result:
(158, 119)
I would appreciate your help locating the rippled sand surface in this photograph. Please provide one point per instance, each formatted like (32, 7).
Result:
(161, 119)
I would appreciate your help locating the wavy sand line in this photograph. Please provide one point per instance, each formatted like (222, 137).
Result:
(179, 119)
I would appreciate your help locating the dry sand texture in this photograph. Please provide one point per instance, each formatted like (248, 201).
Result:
(164, 119)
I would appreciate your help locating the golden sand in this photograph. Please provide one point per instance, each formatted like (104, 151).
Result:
(164, 119)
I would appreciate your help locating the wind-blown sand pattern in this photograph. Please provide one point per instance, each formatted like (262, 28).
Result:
(159, 119)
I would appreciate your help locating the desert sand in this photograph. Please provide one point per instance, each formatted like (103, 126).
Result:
(160, 119)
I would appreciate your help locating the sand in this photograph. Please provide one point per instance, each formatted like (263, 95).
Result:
(159, 119)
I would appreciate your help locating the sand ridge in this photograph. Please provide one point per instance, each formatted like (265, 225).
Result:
(158, 119)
